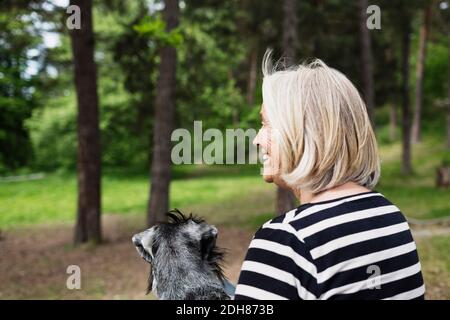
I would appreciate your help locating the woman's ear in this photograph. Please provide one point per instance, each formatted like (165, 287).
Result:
(208, 241)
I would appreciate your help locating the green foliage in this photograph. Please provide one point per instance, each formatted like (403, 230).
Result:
(54, 134)
(125, 101)
(435, 80)
(18, 96)
(154, 28)
(214, 42)
(209, 60)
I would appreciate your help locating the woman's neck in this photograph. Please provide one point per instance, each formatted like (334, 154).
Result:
(346, 189)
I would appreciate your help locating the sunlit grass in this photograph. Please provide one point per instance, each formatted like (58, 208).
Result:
(50, 199)
(230, 195)
(435, 261)
(218, 194)
(416, 195)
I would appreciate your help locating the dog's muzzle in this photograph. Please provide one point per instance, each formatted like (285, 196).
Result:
(138, 243)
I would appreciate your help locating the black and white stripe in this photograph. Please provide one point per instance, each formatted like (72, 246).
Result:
(324, 250)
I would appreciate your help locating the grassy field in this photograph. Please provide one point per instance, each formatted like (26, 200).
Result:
(435, 260)
(209, 191)
(223, 194)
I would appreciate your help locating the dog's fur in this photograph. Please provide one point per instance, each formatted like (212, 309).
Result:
(185, 261)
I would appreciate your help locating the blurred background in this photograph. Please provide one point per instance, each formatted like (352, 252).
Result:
(86, 115)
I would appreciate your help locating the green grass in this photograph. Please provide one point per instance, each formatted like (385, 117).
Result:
(416, 195)
(50, 199)
(230, 195)
(219, 194)
(435, 261)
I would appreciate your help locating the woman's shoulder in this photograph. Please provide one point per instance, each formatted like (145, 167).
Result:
(280, 235)
(310, 218)
(368, 203)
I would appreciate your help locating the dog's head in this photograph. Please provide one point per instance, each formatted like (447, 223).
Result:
(188, 240)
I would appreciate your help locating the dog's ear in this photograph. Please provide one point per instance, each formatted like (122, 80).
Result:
(208, 241)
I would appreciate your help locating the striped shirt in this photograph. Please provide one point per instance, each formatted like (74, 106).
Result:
(353, 247)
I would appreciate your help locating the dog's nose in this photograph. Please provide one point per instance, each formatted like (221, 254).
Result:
(136, 240)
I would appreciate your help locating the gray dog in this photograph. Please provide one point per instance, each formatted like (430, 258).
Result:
(185, 261)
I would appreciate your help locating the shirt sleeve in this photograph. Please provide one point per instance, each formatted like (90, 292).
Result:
(277, 266)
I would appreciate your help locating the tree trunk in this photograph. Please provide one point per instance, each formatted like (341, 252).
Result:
(393, 121)
(158, 203)
(88, 225)
(393, 117)
(406, 124)
(424, 30)
(252, 74)
(448, 94)
(285, 199)
(317, 39)
(443, 176)
(366, 59)
(290, 23)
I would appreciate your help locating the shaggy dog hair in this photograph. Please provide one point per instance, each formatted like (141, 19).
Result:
(185, 261)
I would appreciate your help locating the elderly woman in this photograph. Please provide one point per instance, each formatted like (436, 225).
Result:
(345, 240)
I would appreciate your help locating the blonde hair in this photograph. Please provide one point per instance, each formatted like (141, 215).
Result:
(320, 126)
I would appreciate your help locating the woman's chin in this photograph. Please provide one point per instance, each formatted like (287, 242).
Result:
(268, 178)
